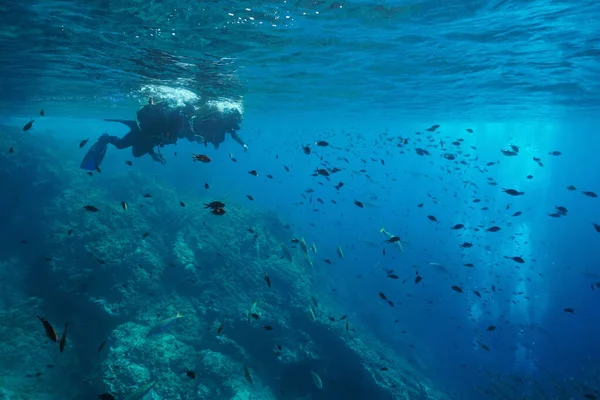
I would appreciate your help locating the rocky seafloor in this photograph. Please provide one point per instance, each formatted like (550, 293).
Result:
(115, 273)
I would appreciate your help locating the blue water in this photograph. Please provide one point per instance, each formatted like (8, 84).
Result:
(369, 78)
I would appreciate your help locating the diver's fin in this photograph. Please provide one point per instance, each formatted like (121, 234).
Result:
(131, 124)
(94, 156)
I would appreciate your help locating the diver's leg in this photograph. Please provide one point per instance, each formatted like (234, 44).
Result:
(120, 143)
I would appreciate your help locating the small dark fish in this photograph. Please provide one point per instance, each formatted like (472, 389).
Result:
(384, 368)
(529, 176)
(220, 328)
(382, 296)
(50, 332)
(147, 195)
(432, 218)
(11, 151)
(457, 226)
(321, 143)
(306, 149)
(483, 346)
(433, 128)
(253, 172)
(217, 211)
(42, 113)
(597, 228)
(101, 346)
(393, 239)
(206, 186)
(555, 153)
(571, 188)
(255, 316)
(469, 265)
(391, 303)
(517, 259)
(359, 204)
(456, 288)
(90, 208)
(569, 310)
(590, 194)
(418, 279)
(343, 317)
(491, 328)
(286, 169)
(215, 204)
(145, 235)
(106, 396)
(250, 197)
(267, 327)
(124, 205)
(182, 204)
(63, 339)
(562, 210)
(477, 293)
(201, 157)
(493, 229)
(69, 232)
(469, 130)
(420, 205)
(513, 192)
(517, 214)
(190, 374)
(267, 279)
(83, 143)
(28, 125)
(466, 245)
(129, 163)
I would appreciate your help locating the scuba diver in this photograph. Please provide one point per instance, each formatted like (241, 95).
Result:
(211, 124)
(159, 124)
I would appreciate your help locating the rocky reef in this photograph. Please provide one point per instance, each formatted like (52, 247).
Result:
(117, 274)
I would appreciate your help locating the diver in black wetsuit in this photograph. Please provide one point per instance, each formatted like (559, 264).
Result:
(159, 125)
(212, 124)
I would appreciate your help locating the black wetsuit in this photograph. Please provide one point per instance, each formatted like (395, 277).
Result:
(159, 124)
(213, 128)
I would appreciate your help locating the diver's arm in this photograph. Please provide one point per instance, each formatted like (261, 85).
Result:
(157, 157)
(238, 139)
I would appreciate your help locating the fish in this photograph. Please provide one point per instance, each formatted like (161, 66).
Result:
(191, 374)
(163, 325)
(597, 228)
(83, 143)
(11, 151)
(221, 327)
(267, 327)
(253, 172)
(90, 208)
(42, 113)
(590, 194)
(457, 289)
(340, 252)
(303, 246)
(555, 153)
(569, 310)
(50, 332)
(147, 195)
(106, 396)
(182, 204)
(513, 192)
(101, 346)
(248, 374)
(491, 328)
(252, 311)
(124, 205)
(141, 392)
(493, 229)
(286, 252)
(267, 279)
(201, 157)
(359, 204)
(418, 279)
(317, 380)
(129, 163)
(321, 143)
(306, 149)
(28, 125)
(432, 218)
(457, 226)
(314, 248)
(250, 197)
(63, 339)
